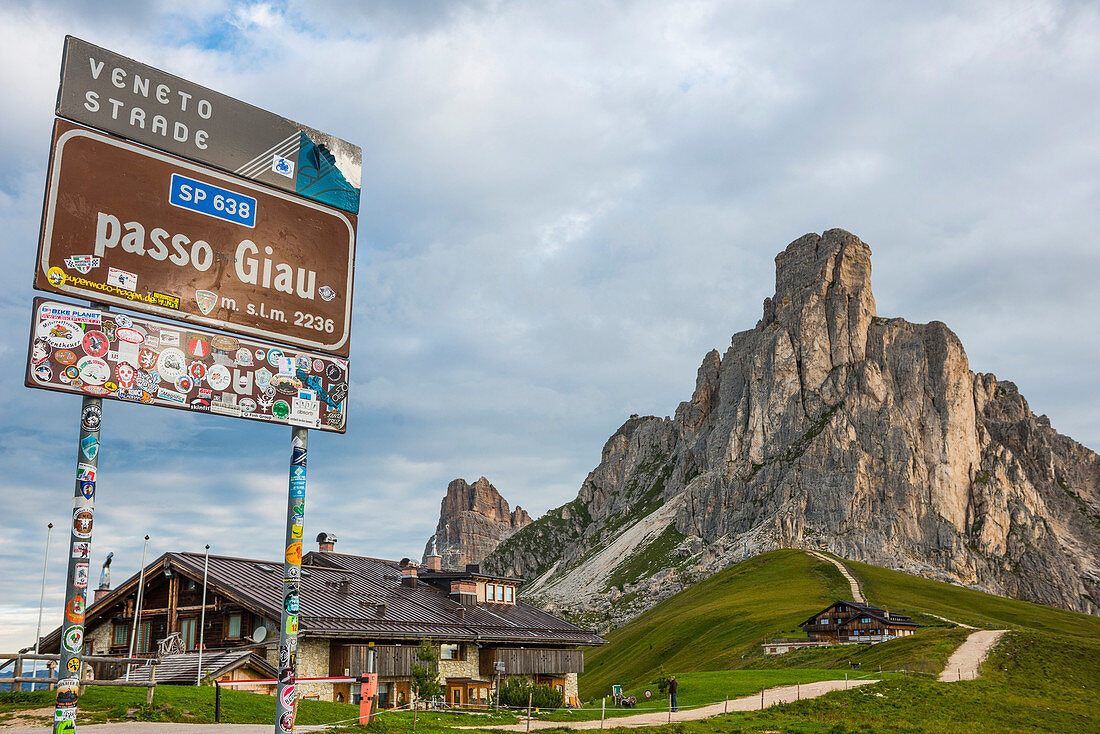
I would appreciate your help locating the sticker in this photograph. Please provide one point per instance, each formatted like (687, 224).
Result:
(293, 573)
(248, 405)
(81, 550)
(89, 446)
(286, 694)
(67, 714)
(305, 412)
(80, 576)
(74, 610)
(207, 301)
(200, 404)
(290, 603)
(294, 554)
(82, 264)
(244, 357)
(67, 690)
(206, 393)
(273, 356)
(74, 638)
(218, 377)
(130, 336)
(171, 396)
(298, 509)
(282, 166)
(82, 523)
(284, 655)
(184, 384)
(327, 294)
(40, 351)
(123, 320)
(198, 347)
(285, 384)
(304, 363)
(263, 378)
(280, 409)
(64, 356)
(286, 722)
(147, 358)
(60, 334)
(71, 372)
(93, 370)
(42, 372)
(286, 675)
(334, 418)
(74, 314)
(334, 373)
(260, 355)
(307, 394)
(122, 278)
(125, 373)
(286, 366)
(296, 532)
(90, 418)
(56, 276)
(95, 343)
(98, 390)
(135, 395)
(338, 392)
(197, 371)
(87, 490)
(292, 624)
(224, 343)
(110, 386)
(171, 364)
(73, 665)
(169, 338)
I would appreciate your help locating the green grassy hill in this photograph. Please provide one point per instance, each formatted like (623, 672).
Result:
(718, 623)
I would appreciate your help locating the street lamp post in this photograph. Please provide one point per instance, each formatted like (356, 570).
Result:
(41, 601)
(137, 606)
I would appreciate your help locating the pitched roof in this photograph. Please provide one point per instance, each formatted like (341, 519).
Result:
(861, 609)
(184, 668)
(360, 597)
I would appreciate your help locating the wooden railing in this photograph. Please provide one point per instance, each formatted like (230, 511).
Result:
(18, 679)
(531, 661)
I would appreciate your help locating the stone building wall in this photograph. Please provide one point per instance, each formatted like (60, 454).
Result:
(313, 663)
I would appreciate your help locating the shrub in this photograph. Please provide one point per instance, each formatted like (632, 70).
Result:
(517, 692)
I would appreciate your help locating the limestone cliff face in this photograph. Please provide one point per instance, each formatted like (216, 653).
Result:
(829, 427)
(473, 519)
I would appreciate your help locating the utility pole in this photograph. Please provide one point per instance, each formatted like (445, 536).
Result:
(202, 614)
(137, 605)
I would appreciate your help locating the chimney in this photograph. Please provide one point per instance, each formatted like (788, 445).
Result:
(434, 561)
(325, 542)
(464, 591)
(100, 593)
(409, 576)
(380, 609)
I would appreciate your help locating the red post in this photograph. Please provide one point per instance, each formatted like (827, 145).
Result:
(368, 686)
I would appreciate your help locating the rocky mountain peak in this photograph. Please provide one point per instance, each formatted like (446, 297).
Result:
(473, 520)
(827, 426)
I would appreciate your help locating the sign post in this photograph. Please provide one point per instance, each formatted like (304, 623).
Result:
(76, 587)
(286, 695)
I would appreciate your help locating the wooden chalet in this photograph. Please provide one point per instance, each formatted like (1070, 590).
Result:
(849, 621)
(472, 619)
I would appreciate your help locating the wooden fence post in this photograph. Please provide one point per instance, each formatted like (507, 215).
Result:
(530, 696)
(726, 706)
(761, 699)
(16, 685)
(603, 707)
(152, 684)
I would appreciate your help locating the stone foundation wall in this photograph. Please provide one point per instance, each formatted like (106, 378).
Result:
(313, 663)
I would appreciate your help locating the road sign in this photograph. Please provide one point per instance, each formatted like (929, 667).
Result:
(114, 93)
(106, 354)
(130, 226)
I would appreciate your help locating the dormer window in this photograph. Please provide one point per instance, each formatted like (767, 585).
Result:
(508, 598)
(489, 592)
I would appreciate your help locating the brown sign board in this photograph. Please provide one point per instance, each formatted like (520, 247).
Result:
(90, 351)
(124, 97)
(126, 225)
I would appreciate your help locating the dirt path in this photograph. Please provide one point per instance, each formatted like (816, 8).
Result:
(857, 593)
(951, 621)
(965, 661)
(783, 694)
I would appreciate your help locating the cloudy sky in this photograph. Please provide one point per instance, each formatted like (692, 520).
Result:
(565, 205)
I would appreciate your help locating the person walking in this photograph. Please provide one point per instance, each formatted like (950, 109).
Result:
(672, 691)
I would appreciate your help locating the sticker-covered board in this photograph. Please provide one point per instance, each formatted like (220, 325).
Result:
(128, 98)
(90, 351)
(133, 227)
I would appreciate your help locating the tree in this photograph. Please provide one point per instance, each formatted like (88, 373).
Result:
(425, 673)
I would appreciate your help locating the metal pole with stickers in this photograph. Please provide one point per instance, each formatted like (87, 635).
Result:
(251, 310)
(286, 694)
(76, 586)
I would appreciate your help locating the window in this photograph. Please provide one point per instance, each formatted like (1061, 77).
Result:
(824, 620)
(865, 620)
(144, 643)
(450, 651)
(489, 593)
(500, 592)
(188, 632)
(233, 626)
(508, 594)
(121, 635)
